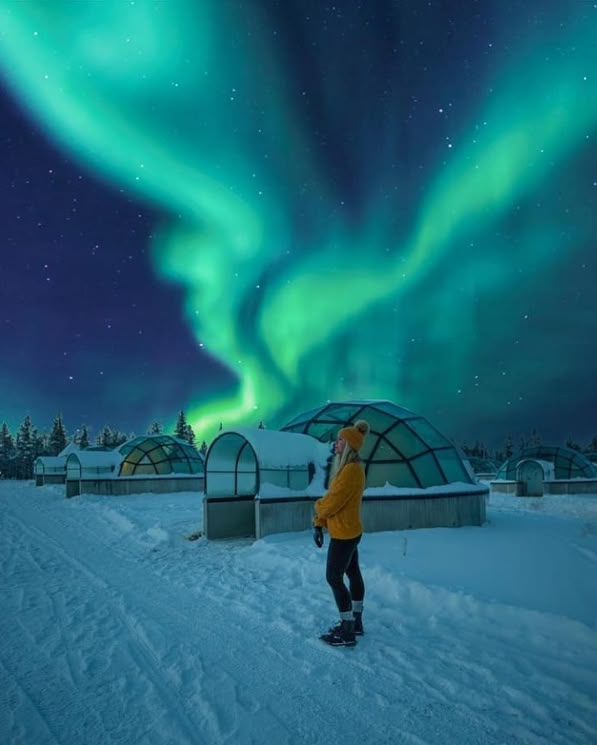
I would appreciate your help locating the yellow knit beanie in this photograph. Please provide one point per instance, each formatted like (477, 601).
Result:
(355, 436)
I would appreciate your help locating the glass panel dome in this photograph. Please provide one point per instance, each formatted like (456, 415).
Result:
(410, 444)
(152, 455)
(402, 449)
(568, 464)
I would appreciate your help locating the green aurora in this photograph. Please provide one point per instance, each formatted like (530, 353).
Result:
(192, 106)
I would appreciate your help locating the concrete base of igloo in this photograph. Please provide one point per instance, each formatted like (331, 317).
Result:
(228, 517)
(225, 517)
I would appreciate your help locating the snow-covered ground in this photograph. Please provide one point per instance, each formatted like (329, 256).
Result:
(116, 629)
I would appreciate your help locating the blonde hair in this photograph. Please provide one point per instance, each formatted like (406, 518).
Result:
(349, 454)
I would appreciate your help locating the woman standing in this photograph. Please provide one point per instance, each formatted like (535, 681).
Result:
(339, 510)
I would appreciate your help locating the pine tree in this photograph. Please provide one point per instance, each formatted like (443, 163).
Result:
(180, 430)
(111, 438)
(7, 445)
(155, 429)
(41, 444)
(535, 439)
(119, 438)
(58, 439)
(189, 435)
(570, 443)
(105, 437)
(479, 449)
(203, 449)
(508, 448)
(26, 447)
(261, 425)
(7, 451)
(83, 439)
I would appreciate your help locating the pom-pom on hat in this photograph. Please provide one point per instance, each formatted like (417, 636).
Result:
(355, 435)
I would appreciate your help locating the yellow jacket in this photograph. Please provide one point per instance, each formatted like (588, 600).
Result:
(340, 508)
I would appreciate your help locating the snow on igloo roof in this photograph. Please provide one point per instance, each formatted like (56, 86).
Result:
(275, 449)
(70, 448)
(91, 458)
(51, 460)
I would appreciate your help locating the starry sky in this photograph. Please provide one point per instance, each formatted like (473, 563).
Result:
(243, 210)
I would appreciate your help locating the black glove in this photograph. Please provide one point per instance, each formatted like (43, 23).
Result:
(318, 536)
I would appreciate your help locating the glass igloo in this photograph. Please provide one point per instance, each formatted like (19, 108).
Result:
(152, 455)
(403, 449)
(567, 463)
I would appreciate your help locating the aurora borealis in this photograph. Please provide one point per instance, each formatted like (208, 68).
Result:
(361, 200)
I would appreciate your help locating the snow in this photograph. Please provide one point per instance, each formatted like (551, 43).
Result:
(275, 449)
(71, 447)
(115, 629)
(93, 459)
(455, 487)
(316, 489)
(52, 460)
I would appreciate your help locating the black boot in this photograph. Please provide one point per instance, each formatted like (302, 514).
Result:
(358, 625)
(343, 637)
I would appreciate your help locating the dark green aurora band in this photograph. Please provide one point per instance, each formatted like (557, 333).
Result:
(195, 106)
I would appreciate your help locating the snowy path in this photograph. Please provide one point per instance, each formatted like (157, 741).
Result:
(113, 629)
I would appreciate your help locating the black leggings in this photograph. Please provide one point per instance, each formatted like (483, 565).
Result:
(343, 558)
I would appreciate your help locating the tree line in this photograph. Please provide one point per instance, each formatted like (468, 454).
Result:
(511, 446)
(18, 452)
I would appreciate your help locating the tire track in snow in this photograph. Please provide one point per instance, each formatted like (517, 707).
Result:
(146, 661)
(21, 708)
(146, 657)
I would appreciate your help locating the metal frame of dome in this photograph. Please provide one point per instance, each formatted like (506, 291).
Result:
(151, 455)
(403, 448)
(568, 463)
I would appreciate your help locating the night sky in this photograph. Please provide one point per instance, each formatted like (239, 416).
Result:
(246, 209)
